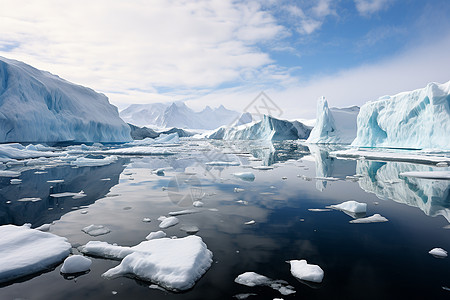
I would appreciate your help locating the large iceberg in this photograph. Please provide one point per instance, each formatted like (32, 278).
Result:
(334, 125)
(416, 119)
(36, 106)
(269, 128)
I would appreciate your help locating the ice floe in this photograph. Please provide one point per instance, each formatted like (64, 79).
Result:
(351, 206)
(304, 271)
(15, 181)
(93, 162)
(445, 175)
(175, 264)
(155, 235)
(183, 212)
(247, 176)
(18, 151)
(76, 264)
(238, 190)
(78, 195)
(376, 218)
(254, 279)
(438, 252)
(96, 230)
(197, 203)
(262, 168)
(222, 163)
(146, 220)
(168, 222)
(190, 229)
(244, 296)
(25, 251)
(5, 173)
(250, 222)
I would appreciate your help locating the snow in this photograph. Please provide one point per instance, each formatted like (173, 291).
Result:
(254, 279)
(415, 119)
(76, 264)
(25, 251)
(410, 156)
(445, 175)
(155, 235)
(376, 218)
(438, 252)
(175, 264)
(168, 222)
(269, 128)
(304, 271)
(246, 176)
(96, 230)
(334, 125)
(93, 162)
(53, 109)
(351, 206)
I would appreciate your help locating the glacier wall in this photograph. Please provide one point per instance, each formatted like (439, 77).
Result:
(334, 125)
(416, 119)
(36, 106)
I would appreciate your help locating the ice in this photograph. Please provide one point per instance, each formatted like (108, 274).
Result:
(304, 271)
(155, 235)
(16, 181)
(197, 203)
(53, 109)
(351, 206)
(175, 264)
(168, 222)
(263, 168)
(244, 296)
(96, 230)
(442, 164)
(334, 125)
(415, 119)
(76, 264)
(445, 175)
(254, 279)
(17, 151)
(269, 128)
(183, 212)
(25, 251)
(222, 163)
(56, 181)
(146, 220)
(4, 173)
(250, 222)
(44, 227)
(376, 218)
(78, 195)
(246, 176)
(93, 162)
(138, 150)
(438, 252)
(238, 190)
(190, 229)
(319, 209)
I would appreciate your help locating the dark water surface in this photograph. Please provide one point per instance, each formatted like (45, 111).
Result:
(361, 261)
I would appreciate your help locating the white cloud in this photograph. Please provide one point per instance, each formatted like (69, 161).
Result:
(311, 18)
(367, 7)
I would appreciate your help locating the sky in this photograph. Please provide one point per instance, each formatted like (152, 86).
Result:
(212, 52)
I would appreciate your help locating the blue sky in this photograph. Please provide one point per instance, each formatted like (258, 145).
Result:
(225, 52)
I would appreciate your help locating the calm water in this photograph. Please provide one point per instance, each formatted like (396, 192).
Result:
(361, 261)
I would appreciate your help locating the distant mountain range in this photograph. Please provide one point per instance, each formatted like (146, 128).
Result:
(178, 114)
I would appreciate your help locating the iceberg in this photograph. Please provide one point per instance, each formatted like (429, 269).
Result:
(438, 252)
(37, 106)
(302, 270)
(376, 218)
(25, 251)
(334, 125)
(269, 128)
(76, 264)
(415, 119)
(351, 207)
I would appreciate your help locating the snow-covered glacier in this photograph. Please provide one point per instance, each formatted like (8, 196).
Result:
(269, 128)
(415, 119)
(334, 125)
(37, 106)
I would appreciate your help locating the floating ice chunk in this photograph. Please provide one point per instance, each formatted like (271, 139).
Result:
(351, 206)
(198, 204)
(223, 163)
(244, 296)
(93, 162)
(168, 222)
(76, 264)
(56, 181)
(105, 179)
(242, 202)
(25, 251)
(319, 209)
(190, 229)
(175, 264)
(155, 235)
(44, 227)
(442, 164)
(428, 174)
(79, 195)
(40, 172)
(159, 172)
(254, 279)
(4, 173)
(284, 177)
(17, 151)
(250, 222)
(247, 176)
(183, 212)
(376, 218)
(304, 271)
(146, 220)
(238, 190)
(138, 150)
(262, 168)
(16, 181)
(438, 252)
(329, 178)
(96, 230)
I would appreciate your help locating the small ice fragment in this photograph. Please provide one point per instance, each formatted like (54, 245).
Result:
(273, 187)
(56, 181)
(442, 164)
(263, 168)
(159, 172)
(190, 229)
(183, 212)
(156, 287)
(76, 264)
(146, 220)
(247, 176)
(438, 252)
(155, 235)
(44, 227)
(65, 194)
(250, 222)
(96, 230)
(242, 202)
(197, 204)
(238, 190)
(168, 222)
(83, 212)
(376, 218)
(106, 179)
(31, 199)
(8, 202)
(304, 271)
(352, 178)
(15, 181)
(319, 209)
(244, 296)
(284, 177)
(213, 209)
(9, 173)
(114, 292)
(254, 279)
(446, 227)
(79, 195)
(351, 206)
(40, 172)
(445, 288)
(222, 163)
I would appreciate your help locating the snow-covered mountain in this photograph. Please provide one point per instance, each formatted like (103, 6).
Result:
(178, 114)
(36, 106)
(334, 125)
(269, 128)
(416, 119)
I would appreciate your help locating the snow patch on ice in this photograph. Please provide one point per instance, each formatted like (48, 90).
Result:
(155, 235)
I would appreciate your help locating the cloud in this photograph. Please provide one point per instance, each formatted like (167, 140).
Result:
(367, 7)
(311, 20)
